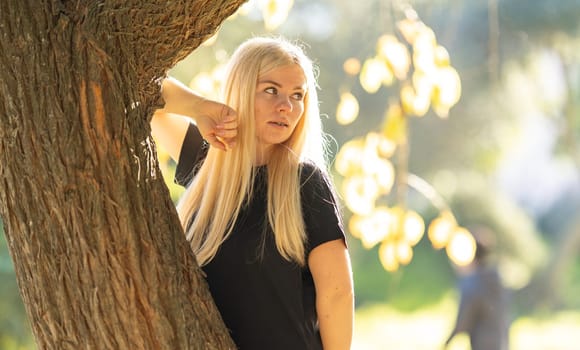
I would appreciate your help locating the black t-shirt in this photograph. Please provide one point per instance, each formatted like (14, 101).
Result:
(266, 301)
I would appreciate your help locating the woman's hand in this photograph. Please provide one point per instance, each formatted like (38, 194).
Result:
(217, 123)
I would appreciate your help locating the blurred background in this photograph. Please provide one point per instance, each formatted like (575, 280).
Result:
(444, 115)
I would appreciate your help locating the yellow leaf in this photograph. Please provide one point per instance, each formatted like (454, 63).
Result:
(275, 12)
(388, 256)
(384, 42)
(404, 252)
(423, 83)
(440, 230)
(424, 60)
(348, 159)
(407, 97)
(369, 156)
(370, 162)
(360, 193)
(409, 29)
(376, 227)
(442, 56)
(347, 110)
(425, 39)
(395, 125)
(424, 51)
(386, 147)
(384, 175)
(396, 55)
(351, 66)
(414, 227)
(356, 225)
(373, 74)
(397, 222)
(421, 94)
(461, 247)
(447, 90)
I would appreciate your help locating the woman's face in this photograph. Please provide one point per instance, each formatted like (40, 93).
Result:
(278, 106)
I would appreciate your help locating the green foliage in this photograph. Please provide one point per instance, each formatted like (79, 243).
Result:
(572, 290)
(539, 17)
(168, 171)
(15, 333)
(5, 261)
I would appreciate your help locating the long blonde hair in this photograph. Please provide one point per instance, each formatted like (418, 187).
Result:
(224, 183)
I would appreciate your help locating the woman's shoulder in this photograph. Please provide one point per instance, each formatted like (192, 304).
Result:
(320, 206)
(314, 179)
(311, 171)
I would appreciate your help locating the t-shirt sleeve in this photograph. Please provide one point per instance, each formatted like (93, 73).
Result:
(193, 152)
(320, 208)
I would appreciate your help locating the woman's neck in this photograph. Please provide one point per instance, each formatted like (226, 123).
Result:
(262, 155)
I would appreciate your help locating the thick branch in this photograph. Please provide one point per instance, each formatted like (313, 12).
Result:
(148, 38)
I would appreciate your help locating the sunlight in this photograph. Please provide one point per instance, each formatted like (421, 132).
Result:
(379, 327)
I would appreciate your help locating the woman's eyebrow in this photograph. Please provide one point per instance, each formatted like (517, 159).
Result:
(268, 81)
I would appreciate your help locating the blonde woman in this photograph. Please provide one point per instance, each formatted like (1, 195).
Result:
(259, 210)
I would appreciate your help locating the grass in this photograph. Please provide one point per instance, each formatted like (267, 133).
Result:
(380, 327)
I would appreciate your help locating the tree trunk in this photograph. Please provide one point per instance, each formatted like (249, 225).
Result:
(99, 253)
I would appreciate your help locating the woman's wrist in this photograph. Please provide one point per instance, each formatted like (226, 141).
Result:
(196, 105)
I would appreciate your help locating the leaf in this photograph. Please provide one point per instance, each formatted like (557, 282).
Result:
(396, 55)
(395, 126)
(347, 109)
(461, 247)
(275, 12)
(375, 72)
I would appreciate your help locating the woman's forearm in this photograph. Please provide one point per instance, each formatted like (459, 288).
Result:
(335, 317)
(179, 99)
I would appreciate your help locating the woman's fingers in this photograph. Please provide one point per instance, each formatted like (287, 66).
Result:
(227, 133)
(226, 112)
(215, 141)
(228, 125)
(229, 122)
(227, 129)
(221, 127)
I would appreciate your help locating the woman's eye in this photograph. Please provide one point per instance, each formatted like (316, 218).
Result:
(271, 90)
(298, 96)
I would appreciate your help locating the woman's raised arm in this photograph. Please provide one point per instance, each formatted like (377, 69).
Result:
(216, 122)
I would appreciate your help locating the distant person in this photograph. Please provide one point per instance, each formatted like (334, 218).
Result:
(483, 307)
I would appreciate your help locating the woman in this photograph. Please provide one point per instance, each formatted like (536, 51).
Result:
(259, 211)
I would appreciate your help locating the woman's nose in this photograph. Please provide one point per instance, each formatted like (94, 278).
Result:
(284, 103)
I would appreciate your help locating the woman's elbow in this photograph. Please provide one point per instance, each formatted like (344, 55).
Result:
(340, 296)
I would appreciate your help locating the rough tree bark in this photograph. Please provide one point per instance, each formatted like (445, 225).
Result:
(98, 250)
